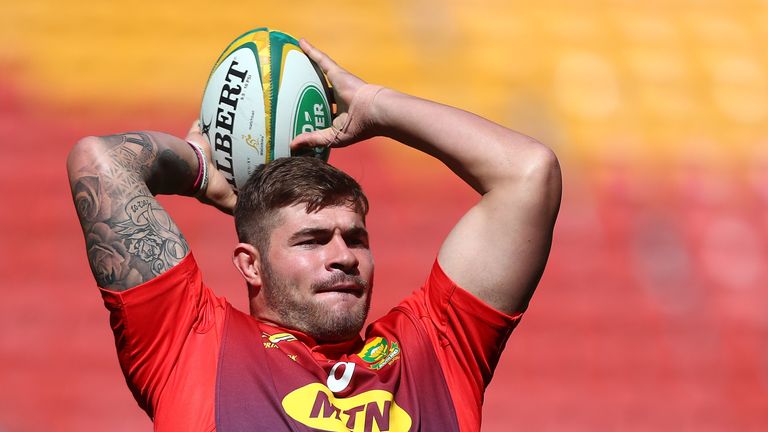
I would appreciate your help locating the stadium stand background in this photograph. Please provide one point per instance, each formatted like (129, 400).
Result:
(652, 312)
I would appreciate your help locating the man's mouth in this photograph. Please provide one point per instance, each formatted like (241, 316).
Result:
(343, 288)
(341, 284)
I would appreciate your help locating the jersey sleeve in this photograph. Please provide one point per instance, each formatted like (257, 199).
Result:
(468, 336)
(151, 322)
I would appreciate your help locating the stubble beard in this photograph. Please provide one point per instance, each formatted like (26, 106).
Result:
(315, 319)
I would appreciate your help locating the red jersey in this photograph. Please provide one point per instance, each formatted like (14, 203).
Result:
(195, 363)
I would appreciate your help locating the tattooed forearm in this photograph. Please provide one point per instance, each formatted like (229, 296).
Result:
(134, 152)
(125, 253)
(130, 239)
(177, 173)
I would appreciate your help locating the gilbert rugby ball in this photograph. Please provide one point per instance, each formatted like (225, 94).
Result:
(262, 92)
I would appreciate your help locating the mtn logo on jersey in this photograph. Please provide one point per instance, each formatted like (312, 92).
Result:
(379, 352)
(314, 405)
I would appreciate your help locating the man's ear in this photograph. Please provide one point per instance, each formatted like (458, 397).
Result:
(248, 262)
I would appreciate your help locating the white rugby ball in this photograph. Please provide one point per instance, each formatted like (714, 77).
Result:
(262, 92)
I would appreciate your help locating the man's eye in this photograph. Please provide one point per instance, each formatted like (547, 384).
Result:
(357, 242)
(313, 241)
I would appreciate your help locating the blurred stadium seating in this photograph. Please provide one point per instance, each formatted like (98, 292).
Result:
(652, 313)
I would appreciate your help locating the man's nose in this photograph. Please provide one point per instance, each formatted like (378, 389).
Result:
(341, 257)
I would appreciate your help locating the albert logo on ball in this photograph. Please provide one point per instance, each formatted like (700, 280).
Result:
(263, 91)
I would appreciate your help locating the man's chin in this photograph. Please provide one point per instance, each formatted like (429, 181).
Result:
(336, 334)
(341, 321)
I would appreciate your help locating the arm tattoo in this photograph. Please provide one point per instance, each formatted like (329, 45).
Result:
(130, 238)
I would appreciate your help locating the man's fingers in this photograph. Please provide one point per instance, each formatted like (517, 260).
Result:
(196, 136)
(195, 128)
(320, 138)
(327, 65)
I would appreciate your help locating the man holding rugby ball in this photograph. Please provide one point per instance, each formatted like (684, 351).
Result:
(298, 361)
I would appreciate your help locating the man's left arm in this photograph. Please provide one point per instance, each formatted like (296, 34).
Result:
(499, 248)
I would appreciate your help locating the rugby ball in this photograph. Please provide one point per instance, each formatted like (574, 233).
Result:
(262, 92)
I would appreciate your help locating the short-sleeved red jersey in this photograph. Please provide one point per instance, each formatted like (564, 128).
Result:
(195, 363)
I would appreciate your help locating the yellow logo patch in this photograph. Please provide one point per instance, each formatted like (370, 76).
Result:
(282, 337)
(379, 352)
(314, 405)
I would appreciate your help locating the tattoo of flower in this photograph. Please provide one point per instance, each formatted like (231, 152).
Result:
(151, 236)
(145, 244)
(108, 257)
(90, 200)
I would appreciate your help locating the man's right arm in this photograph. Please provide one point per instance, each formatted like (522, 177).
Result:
(129, 237)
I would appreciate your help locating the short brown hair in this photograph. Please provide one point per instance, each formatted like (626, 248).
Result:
(288, 181)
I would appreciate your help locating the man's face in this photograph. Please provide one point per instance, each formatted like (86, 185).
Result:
(318, 271)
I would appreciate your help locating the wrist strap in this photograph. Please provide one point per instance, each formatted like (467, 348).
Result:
(201, 182)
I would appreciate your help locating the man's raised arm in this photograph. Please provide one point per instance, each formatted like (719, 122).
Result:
(499, 248)
(129, 237)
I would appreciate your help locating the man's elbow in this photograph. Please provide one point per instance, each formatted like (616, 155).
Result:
(85, 151)
(544, 168)
(538, 175)
(534, 164)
